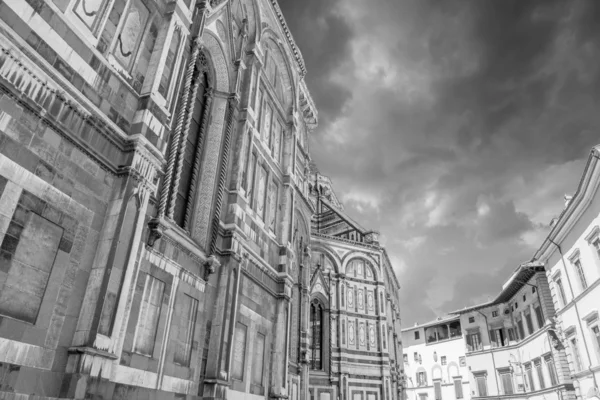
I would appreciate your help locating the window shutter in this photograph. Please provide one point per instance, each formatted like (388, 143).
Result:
(438, 390)
(458, 392)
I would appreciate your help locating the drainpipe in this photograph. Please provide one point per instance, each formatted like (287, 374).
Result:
(492, 352)
(587, 350)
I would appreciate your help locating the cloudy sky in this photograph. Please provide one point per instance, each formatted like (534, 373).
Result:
(453, 127)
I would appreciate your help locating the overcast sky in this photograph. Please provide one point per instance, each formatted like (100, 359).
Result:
(453, 127)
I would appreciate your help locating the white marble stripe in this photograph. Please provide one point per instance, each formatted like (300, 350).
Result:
(53, 40)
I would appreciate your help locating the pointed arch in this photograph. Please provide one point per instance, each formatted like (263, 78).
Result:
(275, 52)
(216, 50)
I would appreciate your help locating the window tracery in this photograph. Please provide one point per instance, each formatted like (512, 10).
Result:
(316, 328)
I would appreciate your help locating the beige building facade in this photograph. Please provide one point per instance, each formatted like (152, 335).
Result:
(510, 342)
(161, 235)
(571, 253)
(435, 360)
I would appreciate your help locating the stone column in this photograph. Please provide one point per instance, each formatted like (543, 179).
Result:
(278, 388)
(305, 262)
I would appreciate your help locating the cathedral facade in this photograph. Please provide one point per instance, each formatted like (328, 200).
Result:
(163, 233)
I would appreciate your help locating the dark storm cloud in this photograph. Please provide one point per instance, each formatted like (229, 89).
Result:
(323, 37)
(453, 127)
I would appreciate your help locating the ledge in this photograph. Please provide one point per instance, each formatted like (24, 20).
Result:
(92, 352)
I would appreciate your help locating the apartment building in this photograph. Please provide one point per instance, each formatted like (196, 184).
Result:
(509, 342)
(571, 253)
(435, 362)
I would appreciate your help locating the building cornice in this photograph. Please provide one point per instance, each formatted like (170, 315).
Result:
(576, 207)
(288, 35)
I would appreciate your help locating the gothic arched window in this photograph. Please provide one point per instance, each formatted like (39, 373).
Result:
(192, 154)
(316, 328)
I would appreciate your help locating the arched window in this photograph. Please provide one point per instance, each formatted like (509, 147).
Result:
(316, 325)
(360, 268)
(192, 154)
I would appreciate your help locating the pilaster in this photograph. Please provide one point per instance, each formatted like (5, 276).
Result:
(100, 331)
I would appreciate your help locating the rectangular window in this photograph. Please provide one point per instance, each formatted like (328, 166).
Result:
(481, 385)
(268, 114)
(551, 370)
(416, 356)
(261, 192)
(494, 313)
(539, 315)
(27, 255)
(577, 366)
(474, 341)
(497, 338)
(529, 321)
(507, 383)
(596, 244)
(471, 320)
(273, 195)
(521, 329)
(540, 374)
(596, 336)
(239, 352)
(422, 396)
(443, 360)
(405, 358)
(187, 308)
(530, 377)
(421, 379)
(417, 336)
(512, 337)
(169, 67)
(276, 141)
(251, 178)
(561, 292)
(580, 274)
(437, 387)
(150, 307)
(259, 360)
(458, 390)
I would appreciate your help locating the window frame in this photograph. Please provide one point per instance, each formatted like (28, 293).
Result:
(551, 368)
(147, 282)
(481, 377)
(580, 273)
(529, 374)
(172, 83)
(191, 329)
(234, 375)
(507, 374)
(458, 389)
(558, 286)
(437, 389)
